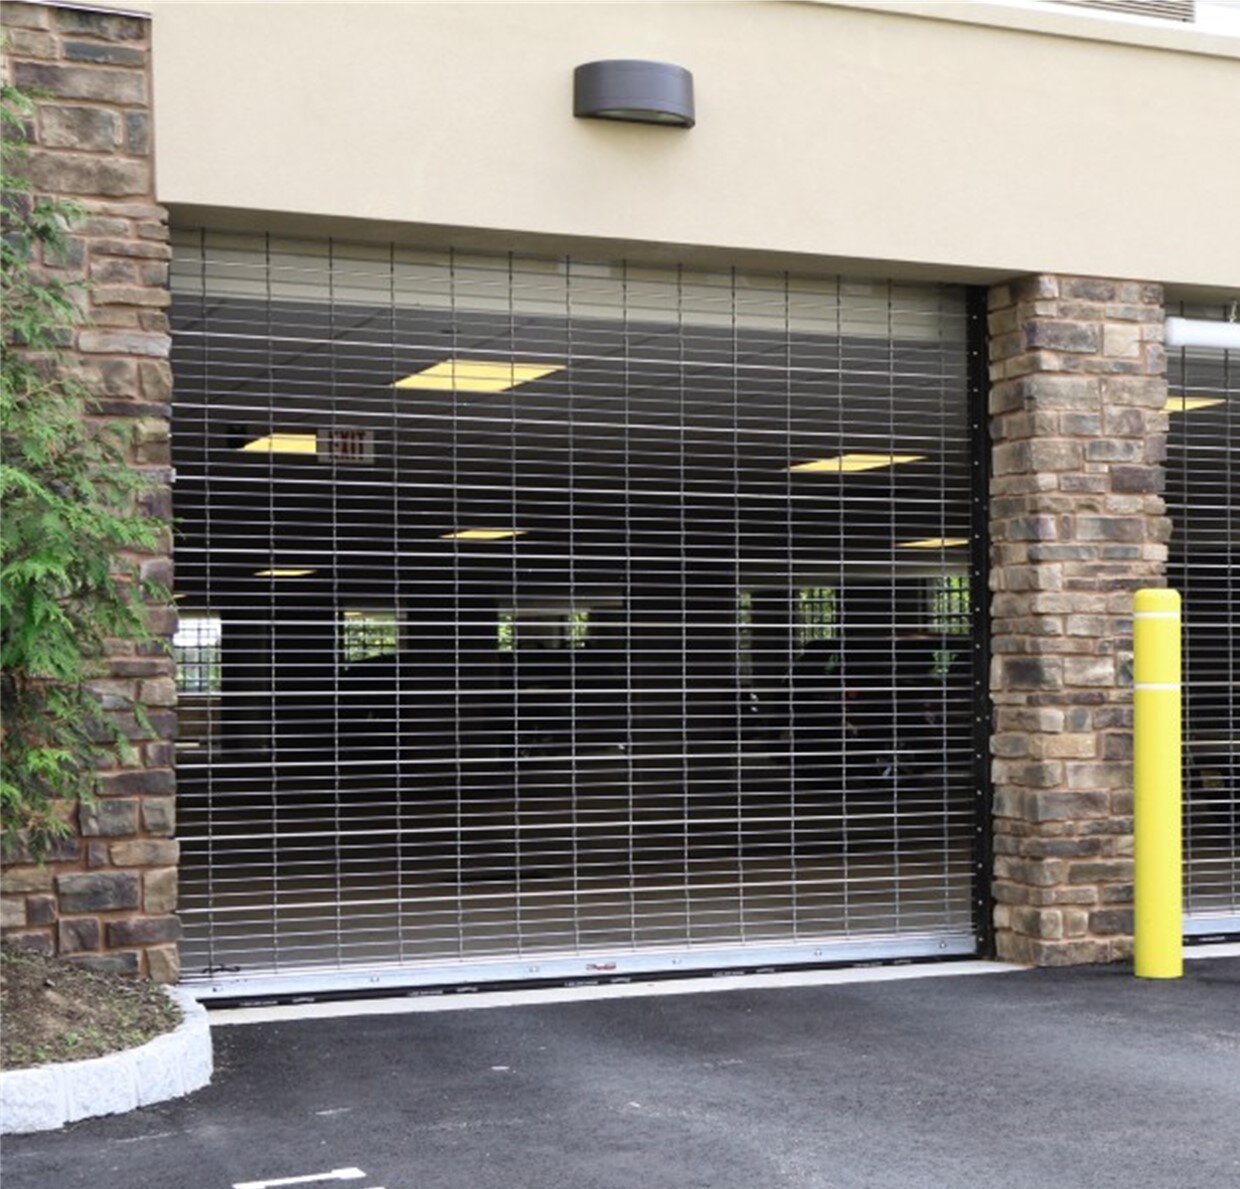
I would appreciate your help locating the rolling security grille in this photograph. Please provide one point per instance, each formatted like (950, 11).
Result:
(1203, 498)
(549, 618)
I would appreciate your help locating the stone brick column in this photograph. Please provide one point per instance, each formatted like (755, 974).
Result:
(108, 895)
(1077, 524)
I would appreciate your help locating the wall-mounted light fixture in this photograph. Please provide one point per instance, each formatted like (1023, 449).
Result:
(634, 91)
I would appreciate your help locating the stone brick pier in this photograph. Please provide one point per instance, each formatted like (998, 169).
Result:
(1077, 524)
(108, 896)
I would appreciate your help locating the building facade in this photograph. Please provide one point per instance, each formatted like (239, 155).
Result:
(605, 546)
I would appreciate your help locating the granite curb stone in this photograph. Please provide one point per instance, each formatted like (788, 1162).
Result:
(170, 1066)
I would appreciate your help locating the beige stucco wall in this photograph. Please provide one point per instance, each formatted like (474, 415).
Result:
(977, 149)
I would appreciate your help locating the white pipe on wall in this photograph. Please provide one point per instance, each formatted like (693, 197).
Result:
(1196, 332)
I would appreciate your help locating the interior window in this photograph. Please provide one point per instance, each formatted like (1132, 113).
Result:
(366, 634)
(196, 649)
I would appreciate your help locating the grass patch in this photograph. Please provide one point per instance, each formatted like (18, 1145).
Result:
(57, 1010)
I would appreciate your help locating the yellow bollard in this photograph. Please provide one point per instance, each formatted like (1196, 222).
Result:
(1157, 825)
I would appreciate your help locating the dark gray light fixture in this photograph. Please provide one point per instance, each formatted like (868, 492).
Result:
(634, 91)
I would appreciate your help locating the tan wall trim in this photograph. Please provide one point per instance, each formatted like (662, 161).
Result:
(141, 11)
(543, 244)
(1077, 26)
(499, 239)
(826, 131)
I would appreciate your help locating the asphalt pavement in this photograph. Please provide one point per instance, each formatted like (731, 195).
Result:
(1041, 1078)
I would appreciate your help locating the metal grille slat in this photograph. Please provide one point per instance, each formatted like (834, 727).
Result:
(695, 704)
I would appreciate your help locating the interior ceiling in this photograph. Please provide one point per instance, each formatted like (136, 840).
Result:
(1203, 478)
(650, 436)
(649, 442)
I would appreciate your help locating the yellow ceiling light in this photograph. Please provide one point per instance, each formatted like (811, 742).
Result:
(1186, 404)
(935, 543)
(847, 463)
(477, 375)
(283, 443)
(283, 573)
(483, 534)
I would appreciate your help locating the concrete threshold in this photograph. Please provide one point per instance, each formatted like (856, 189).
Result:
(1222, 949)
(534, 996)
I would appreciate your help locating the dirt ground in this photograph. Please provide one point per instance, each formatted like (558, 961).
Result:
(57, 1010)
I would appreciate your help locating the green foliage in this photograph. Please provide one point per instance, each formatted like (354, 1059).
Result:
(69, 512)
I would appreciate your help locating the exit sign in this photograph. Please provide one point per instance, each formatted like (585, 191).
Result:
(346, 446)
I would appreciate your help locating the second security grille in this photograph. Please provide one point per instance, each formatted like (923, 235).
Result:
(543, 618)
(1203, 500)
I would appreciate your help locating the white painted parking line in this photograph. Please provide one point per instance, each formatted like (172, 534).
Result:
(337, 1174)
(538, 995)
